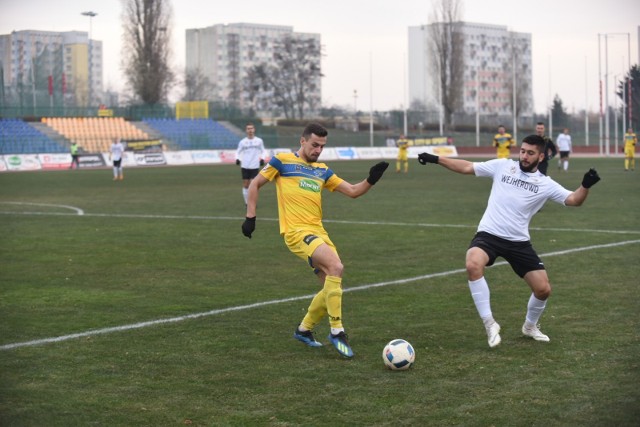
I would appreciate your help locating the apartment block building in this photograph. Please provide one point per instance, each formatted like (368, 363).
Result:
(225, 52)
(37, 65)
(496, 64)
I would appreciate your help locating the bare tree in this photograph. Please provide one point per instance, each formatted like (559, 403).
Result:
(197, 86)
(447, 50)
(291, 82)
(146, 38)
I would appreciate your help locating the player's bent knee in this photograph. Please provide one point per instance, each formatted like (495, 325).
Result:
(335, 269)
(475, 270)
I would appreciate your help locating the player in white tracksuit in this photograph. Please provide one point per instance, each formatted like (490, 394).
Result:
(519, 191)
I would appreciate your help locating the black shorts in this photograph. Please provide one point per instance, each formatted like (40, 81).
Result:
(564, 154)
(520, 255)
(117, 163)
(249, 173)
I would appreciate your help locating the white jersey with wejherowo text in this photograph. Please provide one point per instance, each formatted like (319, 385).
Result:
(250, 151)
(515, 197)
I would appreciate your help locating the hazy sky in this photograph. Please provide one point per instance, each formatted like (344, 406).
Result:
(364, 38)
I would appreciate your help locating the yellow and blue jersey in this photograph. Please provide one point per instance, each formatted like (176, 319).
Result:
(629, 141)
(403, 146)
(503, 143)
(299, 190)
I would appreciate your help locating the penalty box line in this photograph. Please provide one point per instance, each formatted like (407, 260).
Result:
(280, 301)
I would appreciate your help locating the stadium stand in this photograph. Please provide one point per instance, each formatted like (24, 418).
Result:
(19, 137)
(195, 134)
(95, 134)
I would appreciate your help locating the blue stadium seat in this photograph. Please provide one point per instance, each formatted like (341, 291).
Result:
(195, 134)
(19, 137)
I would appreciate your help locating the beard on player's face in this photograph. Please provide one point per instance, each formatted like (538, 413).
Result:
(530, 167)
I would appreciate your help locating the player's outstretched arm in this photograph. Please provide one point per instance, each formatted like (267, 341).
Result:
(357, 190)
(455, 165)
(578, 197)
(249, 224)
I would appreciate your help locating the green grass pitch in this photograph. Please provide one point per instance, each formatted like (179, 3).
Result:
(180, 320)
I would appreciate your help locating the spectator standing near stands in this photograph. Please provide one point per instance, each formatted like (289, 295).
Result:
(550, 150)
(74, 155)
(116, 153)
(564, 146)
(250, 157)
(503, 142)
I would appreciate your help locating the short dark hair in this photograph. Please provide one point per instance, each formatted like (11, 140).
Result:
(536, 140)
(501, 126)
(314, 128)
(540, 123)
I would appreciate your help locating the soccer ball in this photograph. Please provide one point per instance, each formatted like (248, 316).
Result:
(398, 355)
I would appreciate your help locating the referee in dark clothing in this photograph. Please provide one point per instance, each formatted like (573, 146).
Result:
(550, 150)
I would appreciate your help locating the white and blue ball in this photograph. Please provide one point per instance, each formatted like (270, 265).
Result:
(398, 355)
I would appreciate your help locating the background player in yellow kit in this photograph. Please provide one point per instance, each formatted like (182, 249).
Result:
(403, 156)
(630, 141)
(503, 143)
(299, 180)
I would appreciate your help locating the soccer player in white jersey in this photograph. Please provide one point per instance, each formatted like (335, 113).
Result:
(250, 157)
(519, 190)
(117, 151)
(564, 147)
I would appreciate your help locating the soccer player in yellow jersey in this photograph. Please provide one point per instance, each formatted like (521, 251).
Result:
(299, 180)
(503, 142)
(630, 141)
(403, 156)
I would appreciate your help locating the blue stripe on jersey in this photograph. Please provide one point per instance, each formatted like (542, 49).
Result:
(299, 170)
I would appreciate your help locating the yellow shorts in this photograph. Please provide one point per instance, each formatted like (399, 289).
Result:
(304, 242)
(630, 152)
(403, 157)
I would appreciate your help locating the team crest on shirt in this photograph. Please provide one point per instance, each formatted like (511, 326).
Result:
(513, 169)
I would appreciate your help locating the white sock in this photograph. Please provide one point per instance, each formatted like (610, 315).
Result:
(245, 194)
(336, 331)
(481, 297)
(535, 309)
(566, 165)
(115, 172)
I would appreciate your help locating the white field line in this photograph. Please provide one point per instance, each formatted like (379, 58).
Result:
(280, 301)
(330, 221)
(73, 208)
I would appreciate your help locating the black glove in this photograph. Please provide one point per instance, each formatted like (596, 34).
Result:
(376, 171)
(261, 162)
(238, 162)
(248, 226)
(590, 178)
(425, 158)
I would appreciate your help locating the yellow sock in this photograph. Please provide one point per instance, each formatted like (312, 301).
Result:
(316, 311)
(398, 166)
(626, 163)
(333, 295)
